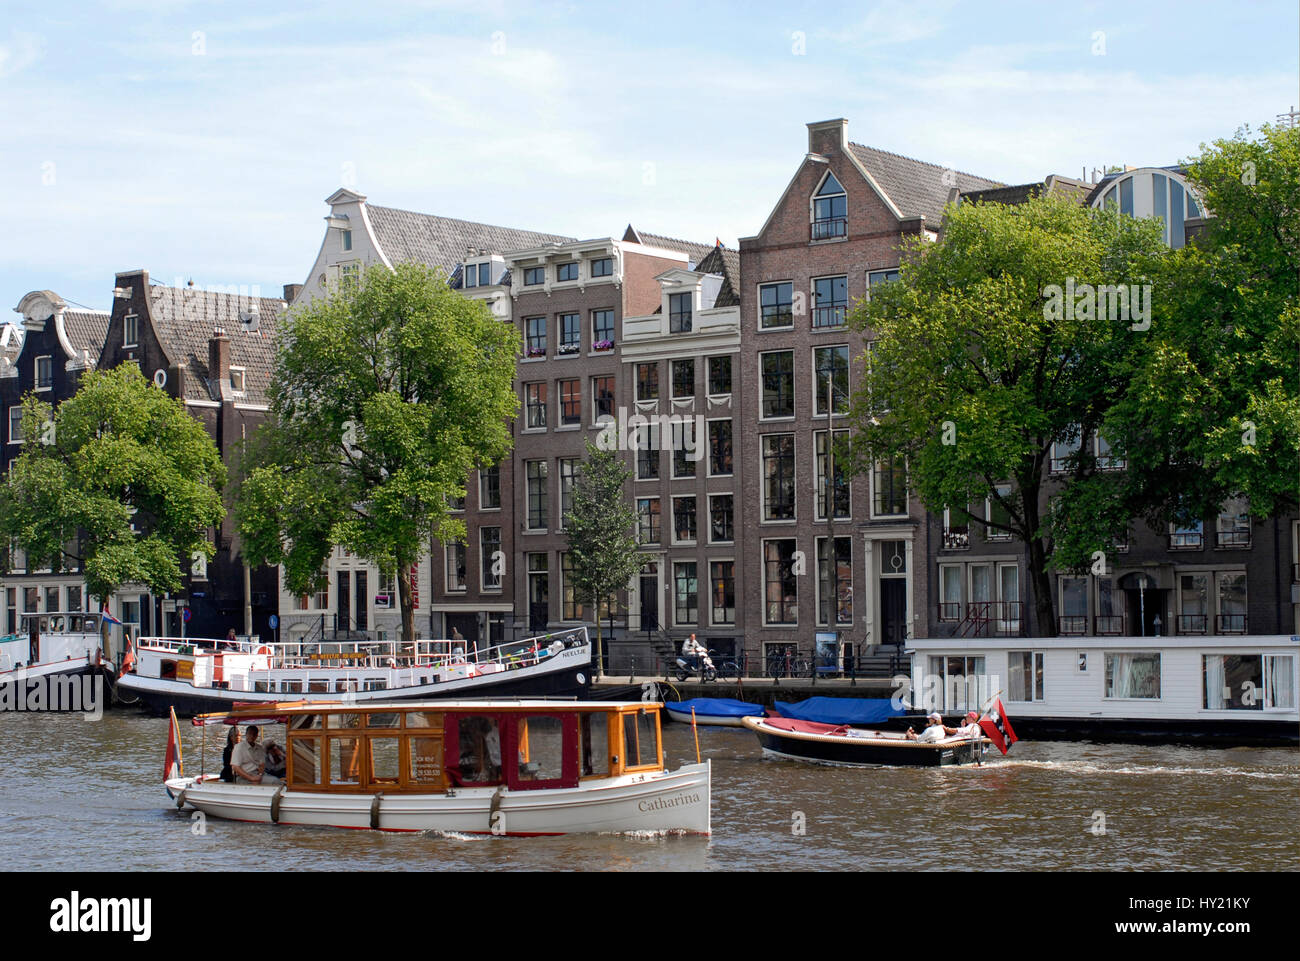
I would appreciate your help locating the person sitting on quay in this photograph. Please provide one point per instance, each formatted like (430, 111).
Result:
(934, 729)
(249, 761)
(275, 760)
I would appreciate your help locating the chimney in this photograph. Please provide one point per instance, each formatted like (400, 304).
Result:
(829, 137)
(219, 356)
(291, 292)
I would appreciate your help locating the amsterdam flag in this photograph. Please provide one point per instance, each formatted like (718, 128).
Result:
(997, 726)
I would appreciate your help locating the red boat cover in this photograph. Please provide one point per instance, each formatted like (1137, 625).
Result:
(805, 727)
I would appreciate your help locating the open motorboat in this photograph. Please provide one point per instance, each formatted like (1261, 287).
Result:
(485, 767)
(197, 676)
(713, 711)
(840, 744)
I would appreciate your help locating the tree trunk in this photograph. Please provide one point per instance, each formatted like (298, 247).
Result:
(1044, 612)
(405, 600)
(599, 660)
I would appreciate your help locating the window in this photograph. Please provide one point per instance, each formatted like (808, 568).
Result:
(679, 313)
(778, 384)
(778, 477)
(570, 402)
(536, 474)
(647, 520)
(346, 237)
(489, 488)
(602, 329)
(998, 514)
(44, 373)
(965, 683)
(831, 375)
(685, 448)
(602, 397)
(455, 566)
(237, 380)
(889, 488)
(572, 608)
(719, 375)
(15, 425)
(570, 334)
(683, 378)
(1186, 537)
(782, 587)
(880, 277)
(74, 598)
(956, 530)
(719, 448)
(535, 334)
(539, 590)
(1233, 526)
(647, 452)
(490, 565)
(130, 330)
(469, 276)
(535, 406)
(684, 519)
(349, 274)
(722, 582)
(1105, 460)
(835, 580)
(720, 525)
(1235, 682)
(602, 267)
(840, 487)
(569, 470)
(1074, 606)
(647, 381)
(776, 305)
(534, 276)
(565, 272)
(951, 593)
(1110, 617)
(829, 210)
(1232, 603)
(1064, 451)
(1193, 603)
(687, 593)
(484, 275)
(1025, 671)
(830, 301)
(1132, 675)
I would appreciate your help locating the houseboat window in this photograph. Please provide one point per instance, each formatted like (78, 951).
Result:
(375, 684)
(956, 683)
(385, 759)
(305, 766)
(426, 759)
(1082, 662)
(1233, 682)
(1026, 672)
(262, 687)
(345, 760)
(1279, 681)
(421, 719)
(480, 750)
(541, 748)
(640, 739)
(1133, 675)
(318, 685)
(383, 720)
(593, 730)
(291, 687)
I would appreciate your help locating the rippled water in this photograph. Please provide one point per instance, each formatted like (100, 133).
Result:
(78, 795)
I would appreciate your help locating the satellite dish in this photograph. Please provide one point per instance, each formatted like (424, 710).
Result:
(160, 378)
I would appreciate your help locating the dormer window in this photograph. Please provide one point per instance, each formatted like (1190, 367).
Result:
(130, 330)
(237, 379)
(44, 373)
(476, 275)
(679, 313)
(534, 276)
(565, 272)
(830, 210)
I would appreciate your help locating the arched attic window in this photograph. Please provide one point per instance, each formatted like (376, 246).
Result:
(830, 209)
(1153, 192)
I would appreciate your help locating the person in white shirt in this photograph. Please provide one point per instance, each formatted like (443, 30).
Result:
(248, 761)
(934, 729)
(971, 728)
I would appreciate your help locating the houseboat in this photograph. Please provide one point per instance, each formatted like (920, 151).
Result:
(66, 647)
(197, 676)
(1223, 689)
(468, 767)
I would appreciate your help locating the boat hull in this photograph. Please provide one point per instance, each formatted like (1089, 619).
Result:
(75, 685)
(863, 751)
(676, 801)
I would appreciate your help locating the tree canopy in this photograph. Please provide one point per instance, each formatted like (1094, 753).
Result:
(120, 481)
(387, 394)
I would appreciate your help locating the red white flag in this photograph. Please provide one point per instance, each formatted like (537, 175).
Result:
(997, 727)
(173, 766)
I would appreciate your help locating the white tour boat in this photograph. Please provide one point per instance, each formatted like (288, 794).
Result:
(1227, 689)
(197, 676)
(54, 663)
(471, 767)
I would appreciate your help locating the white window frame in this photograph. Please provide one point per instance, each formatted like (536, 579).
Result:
(19, 438)
(130, 327)
(242, 386)
(36, 374)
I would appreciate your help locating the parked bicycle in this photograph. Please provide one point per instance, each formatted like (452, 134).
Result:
(788, 664)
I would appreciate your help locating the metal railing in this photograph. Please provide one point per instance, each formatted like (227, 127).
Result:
(1192, 623)
(832, 227)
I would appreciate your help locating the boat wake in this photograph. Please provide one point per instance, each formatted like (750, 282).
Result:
(457, 836)
(1089, 767)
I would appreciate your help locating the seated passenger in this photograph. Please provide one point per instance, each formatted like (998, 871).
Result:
(248, 761)
(275, 759)
(232, 741)
(972, 726)
(934, 729)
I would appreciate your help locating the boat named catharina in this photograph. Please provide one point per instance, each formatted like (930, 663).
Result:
(196, 676)
(464, 767)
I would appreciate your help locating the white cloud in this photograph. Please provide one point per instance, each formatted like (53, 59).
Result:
(20, 52)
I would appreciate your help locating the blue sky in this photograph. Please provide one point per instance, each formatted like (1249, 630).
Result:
(200, 139)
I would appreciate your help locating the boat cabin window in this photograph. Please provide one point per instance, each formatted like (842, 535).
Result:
(291, 687)
(304, 760)
(541, 748)
(429, 719)
(641, 740)
(167, 670)
(344, 760)
(385, 759)
(593, 733)
(337, 721)
(385, 720)
(318, 685)
(479, 744)
(425, 758)
(306, 722)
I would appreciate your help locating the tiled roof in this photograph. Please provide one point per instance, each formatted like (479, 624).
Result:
(726, 262)
(696, 252)
(915, 187)
(1058, 186)
(184, 319)
(86, 330)
(404, 235)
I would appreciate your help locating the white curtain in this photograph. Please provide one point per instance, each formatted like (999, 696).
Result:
(1214, 680)
(1281, 681)
(1134, 675)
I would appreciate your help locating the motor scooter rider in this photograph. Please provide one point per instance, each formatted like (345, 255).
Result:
(693, 648)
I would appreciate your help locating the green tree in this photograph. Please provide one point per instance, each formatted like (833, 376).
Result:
(386, 395)
(120, 481)
(984, 355)
(603, 550)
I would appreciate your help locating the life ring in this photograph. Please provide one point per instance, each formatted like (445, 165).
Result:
(263, 650)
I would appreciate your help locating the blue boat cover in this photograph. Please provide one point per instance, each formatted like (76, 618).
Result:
(841, 710)
(717, 707)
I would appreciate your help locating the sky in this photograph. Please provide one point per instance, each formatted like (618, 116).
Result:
(199, 140)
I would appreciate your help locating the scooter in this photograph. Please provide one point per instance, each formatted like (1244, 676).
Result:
(690, 664)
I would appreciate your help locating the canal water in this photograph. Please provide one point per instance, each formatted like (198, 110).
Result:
(80, 795)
